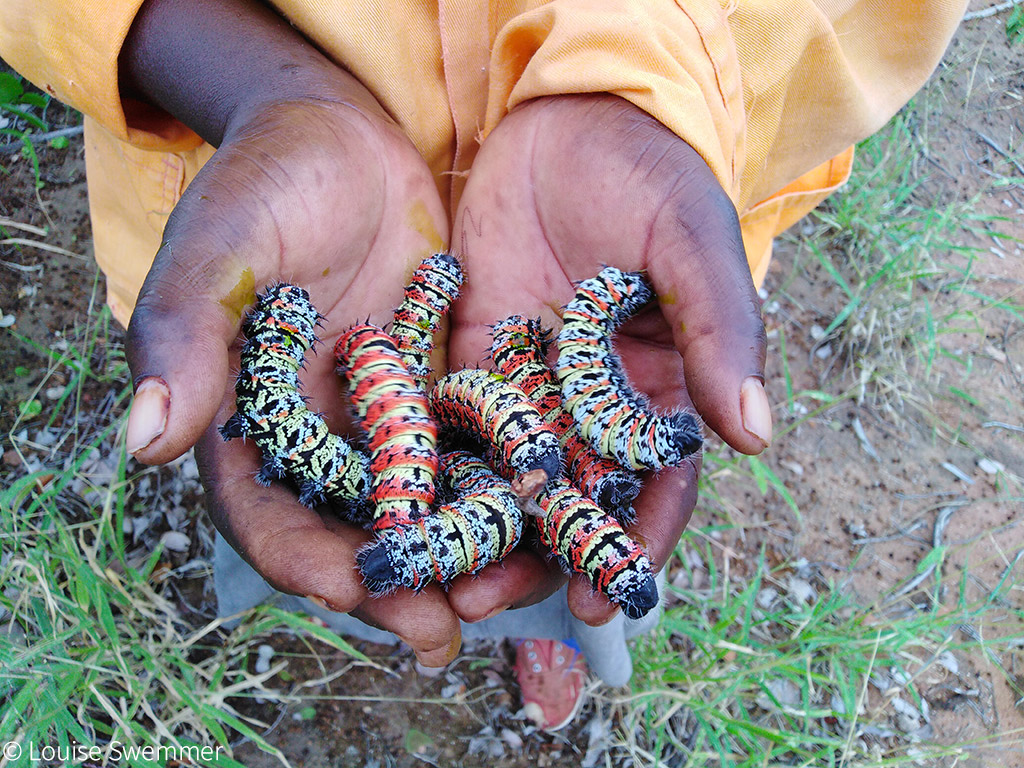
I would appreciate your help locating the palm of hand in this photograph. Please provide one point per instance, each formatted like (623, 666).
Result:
(561, 188)
(329, 197)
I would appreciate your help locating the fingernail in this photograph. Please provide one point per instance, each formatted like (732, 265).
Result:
(495, 612)
(319, 601)
(441, 657)
(428, 671)
(148, 415)
(754, 408)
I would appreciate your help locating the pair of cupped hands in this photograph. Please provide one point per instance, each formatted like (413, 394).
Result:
(314, 184)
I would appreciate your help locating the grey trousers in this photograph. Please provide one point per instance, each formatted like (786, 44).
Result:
(240, 588)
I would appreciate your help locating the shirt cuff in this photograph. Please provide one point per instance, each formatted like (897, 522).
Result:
(70, 49)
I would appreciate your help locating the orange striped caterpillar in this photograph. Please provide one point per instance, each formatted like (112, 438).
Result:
(481, 526)
(588, 541)
(431, 291)
(484, 405)
(392, 409)
(295, 442)
(518, 351)
(613, 417)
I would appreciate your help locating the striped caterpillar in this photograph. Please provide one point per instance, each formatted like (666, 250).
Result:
(613, 417)
(485, 406)
(481, 526)
(518, 351)
(387, 371)
(587, 540)
(392, 409)
(295, 442)
(431, 291)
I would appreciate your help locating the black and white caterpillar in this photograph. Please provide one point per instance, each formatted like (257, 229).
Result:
(613, 417)
(518, 351)
(482, 525)
(295, 442)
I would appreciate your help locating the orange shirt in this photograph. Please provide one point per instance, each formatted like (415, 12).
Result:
(771, 93)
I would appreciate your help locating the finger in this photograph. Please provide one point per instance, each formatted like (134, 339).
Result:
(187, 314)
(290, 546)
(523, 578)
(699, 270)
(423, 620)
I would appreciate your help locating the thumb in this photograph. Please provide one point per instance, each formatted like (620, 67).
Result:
(187, 315)
(701, 276)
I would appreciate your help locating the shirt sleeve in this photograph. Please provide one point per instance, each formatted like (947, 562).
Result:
(69, 48)
(764, 90)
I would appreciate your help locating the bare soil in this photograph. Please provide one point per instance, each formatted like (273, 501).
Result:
(871, 482)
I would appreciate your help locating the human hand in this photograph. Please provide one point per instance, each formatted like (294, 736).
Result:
(562, 187)
(312, 184)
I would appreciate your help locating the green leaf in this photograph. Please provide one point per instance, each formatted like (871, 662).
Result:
(417, 741)
(30, 409)
(60, 142)
(35, 100)
(21, 371)
(964, 396)
(1015, 25)
(935, 557)
(307, 713)
(10, 88)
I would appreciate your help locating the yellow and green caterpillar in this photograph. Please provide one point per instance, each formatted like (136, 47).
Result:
(434, 521)
(295, 442)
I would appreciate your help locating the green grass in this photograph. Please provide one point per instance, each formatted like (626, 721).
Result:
(897, 253)
(746, 670)
(92, 649)
(23, 118)
(742, 673)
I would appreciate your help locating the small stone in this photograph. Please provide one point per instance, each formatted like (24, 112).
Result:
(948, 660)
(990, 466)
(801, 591)
(766, 597)
(176, 541)
(792, 466)
(512, 738)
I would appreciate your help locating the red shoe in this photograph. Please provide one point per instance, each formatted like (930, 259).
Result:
(551, 677)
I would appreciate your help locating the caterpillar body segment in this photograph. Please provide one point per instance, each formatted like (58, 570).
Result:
(615, 419)
(402, 437)
(481, 526)
(483, 404)
(433, 288)
(288, 309)
(518, 351)
(588, 541)
(295, 442)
